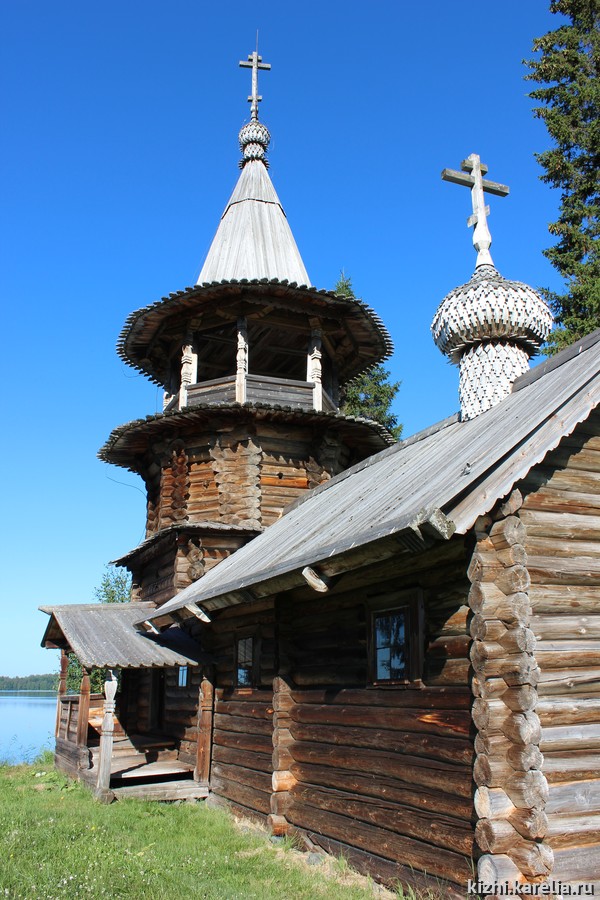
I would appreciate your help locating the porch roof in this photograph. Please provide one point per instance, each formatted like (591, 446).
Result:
(105, 635)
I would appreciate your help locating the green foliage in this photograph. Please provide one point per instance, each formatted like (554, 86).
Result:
(56, 841)
(568, 72)
(371, 393)
(114, 587)
(28, 682)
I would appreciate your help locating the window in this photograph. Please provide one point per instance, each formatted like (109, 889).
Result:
(183, 679)
(395, 637)
(390, 645)
(247, 660)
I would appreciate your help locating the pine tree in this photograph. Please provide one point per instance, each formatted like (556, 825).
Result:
(371, 393)
(114, 587)
(568, 70)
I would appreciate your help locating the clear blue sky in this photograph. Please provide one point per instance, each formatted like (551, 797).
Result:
(120, 126)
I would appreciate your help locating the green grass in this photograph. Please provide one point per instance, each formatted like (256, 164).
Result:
(57, 842)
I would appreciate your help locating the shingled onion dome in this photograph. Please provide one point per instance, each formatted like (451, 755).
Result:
(489, 327)
(254, 140)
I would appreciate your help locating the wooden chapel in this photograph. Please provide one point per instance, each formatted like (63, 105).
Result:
(391, 650)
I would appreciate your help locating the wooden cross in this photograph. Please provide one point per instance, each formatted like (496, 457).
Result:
(471, 176)
(255, 63)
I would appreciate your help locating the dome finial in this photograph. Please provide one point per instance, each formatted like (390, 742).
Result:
(255, 63)
(482, 238)
(254, 137)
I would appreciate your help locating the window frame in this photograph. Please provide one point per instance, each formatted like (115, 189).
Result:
(241, 635)
(411, 603)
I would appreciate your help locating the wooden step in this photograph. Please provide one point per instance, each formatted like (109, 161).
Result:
(156, 770)
(186, 789)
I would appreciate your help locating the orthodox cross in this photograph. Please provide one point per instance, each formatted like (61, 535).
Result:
(255, 63)
(471, 176)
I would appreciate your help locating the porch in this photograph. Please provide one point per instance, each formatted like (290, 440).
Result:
(102, 739)
(146, 766)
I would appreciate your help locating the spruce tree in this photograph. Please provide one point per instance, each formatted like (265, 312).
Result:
(567, 70)
(371, 393)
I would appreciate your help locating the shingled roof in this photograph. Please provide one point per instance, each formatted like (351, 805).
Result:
(440, 481)
(254, 239)
(104, 634)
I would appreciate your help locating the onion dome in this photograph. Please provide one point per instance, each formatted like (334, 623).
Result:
(254, 141)
(489, 327)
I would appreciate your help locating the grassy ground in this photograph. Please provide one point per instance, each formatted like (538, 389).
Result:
(57, 842)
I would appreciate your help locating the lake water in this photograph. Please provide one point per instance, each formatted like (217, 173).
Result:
(26, 724)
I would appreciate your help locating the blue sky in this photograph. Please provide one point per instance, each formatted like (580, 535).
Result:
(120, 150)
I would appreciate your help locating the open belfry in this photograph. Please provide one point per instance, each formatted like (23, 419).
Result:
(390, 650)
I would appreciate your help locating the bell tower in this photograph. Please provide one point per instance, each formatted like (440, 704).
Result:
(252, 361)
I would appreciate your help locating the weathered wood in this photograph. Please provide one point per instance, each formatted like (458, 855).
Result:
(490, 602)
(370, 785)
(527, 789)
(384, 871)
(572, 681)
(444, 722)
(531, 824)
(247, 759)
(568, 711)
(205, 728)
(84, 710)
(260, 781)
(573, 831)
(427, 745)
(576, 864)
(496, 869)
(533, 859)
(242, 741)
(572, 765)
(574, 796)
(583, 571)
(568, 737)
(443, 832)
(492, 803)
(410, 852)
(523, 758)
(564, 627)
(421, 697)
(106, 738)
(242, 794)
(507, 532)
(496, 835)
(411, 770)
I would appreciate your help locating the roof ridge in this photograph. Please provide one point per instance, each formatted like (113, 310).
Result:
(580, 346)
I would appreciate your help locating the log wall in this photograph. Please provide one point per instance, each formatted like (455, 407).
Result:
(386, 770)
(561, 512)
(180, 719)
(242, 764)
(238, 474)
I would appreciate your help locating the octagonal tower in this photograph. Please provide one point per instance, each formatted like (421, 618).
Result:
(252, 361)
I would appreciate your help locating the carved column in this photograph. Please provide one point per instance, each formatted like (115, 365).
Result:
(314, 368)
(241, 360)
(205, 727)
(62, 688)
(189, 369)
(103, 791)
(84, 710)
(512, 789)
